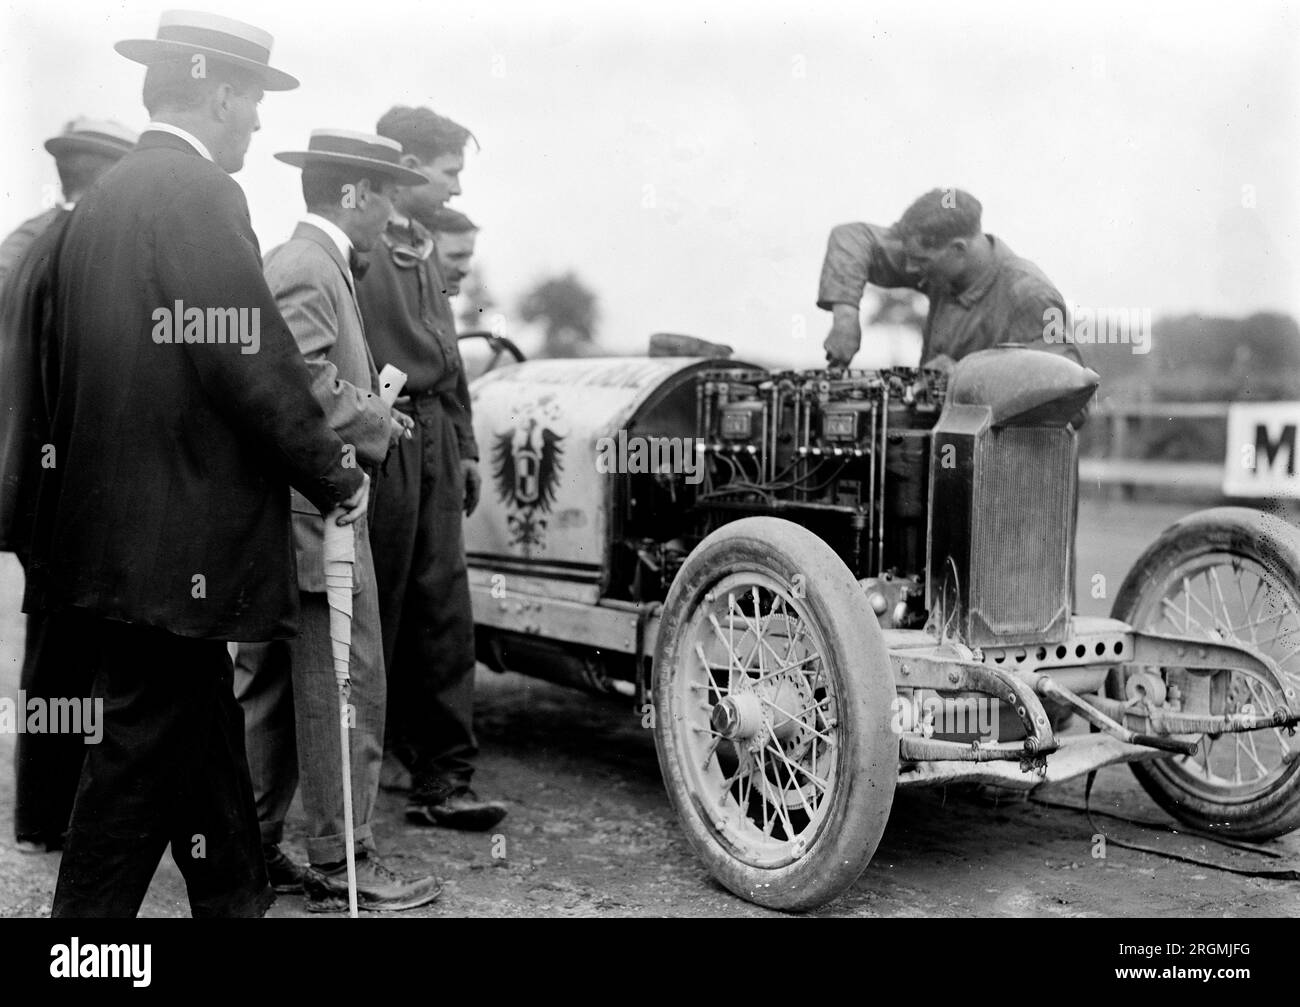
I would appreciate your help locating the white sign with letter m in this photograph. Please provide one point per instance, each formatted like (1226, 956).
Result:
(1262, 458)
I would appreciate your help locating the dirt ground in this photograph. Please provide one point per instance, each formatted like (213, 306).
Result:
(591, 832)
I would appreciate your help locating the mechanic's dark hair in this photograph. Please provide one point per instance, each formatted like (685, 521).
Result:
(324, 185)
(940, 216)
(423, 132)
(449, 221)
(171, 85)
(78, 171)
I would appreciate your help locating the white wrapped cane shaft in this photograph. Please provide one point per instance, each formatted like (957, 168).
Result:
(340, 552)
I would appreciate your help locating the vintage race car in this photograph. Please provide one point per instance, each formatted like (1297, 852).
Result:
(818, 587)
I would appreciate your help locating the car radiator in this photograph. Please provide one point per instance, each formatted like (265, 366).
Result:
(1002, 532)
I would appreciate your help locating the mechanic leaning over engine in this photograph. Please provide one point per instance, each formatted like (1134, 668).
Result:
(981, 293)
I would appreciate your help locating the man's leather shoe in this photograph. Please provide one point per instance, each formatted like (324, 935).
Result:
(285, 876)
(460, 808)
(378, 888)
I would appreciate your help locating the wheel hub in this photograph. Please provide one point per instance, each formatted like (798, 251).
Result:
(748, 715)
(738, 718)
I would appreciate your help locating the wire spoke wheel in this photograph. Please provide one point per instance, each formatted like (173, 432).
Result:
(1226, 575)
(776, 746)
(761, 717)
(1228, 598)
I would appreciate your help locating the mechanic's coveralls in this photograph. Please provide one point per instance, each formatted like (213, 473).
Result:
(416, 533)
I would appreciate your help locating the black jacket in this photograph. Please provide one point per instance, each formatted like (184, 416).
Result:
(168, 503)
(25, 341)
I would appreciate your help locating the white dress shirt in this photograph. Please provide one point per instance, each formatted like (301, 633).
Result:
(186, 135)
(335, 232)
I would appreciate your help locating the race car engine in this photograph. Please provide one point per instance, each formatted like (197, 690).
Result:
(844, 455)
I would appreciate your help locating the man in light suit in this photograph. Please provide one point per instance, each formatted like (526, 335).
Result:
(180, 414)
(287, 687)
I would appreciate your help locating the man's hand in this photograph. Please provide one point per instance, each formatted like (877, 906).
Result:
(401, 426)
(354, 507)
(469, 469)
(942, 363)
(845, 337)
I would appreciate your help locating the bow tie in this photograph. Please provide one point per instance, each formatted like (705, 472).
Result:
(357, 263)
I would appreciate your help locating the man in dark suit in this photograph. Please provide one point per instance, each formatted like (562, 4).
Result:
(55, 663)
(287, 687)
(181, 413)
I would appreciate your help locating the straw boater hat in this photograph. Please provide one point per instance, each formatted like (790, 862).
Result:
(375, 154)
(92, 136)
(184, 32)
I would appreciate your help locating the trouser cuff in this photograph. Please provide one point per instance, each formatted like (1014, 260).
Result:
(332, 849)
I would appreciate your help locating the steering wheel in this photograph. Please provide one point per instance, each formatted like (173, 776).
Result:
(500, 345)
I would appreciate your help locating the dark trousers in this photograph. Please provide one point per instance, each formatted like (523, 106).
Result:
(418, 542)
(170, 768)
(57, 665)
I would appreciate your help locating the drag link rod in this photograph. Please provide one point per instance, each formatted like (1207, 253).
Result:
(1046, 687)
(1187, 723)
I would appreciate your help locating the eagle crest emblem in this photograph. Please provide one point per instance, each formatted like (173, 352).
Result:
(526, 466)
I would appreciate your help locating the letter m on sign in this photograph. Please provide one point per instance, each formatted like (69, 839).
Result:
(1261, 452)
(1267, 449)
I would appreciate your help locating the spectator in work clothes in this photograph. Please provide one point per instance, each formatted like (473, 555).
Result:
(55, 663)
(181, 413)
(287, 687)
(425, 487)
(454, 235)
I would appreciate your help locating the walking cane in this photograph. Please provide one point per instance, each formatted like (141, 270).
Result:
(340, 555)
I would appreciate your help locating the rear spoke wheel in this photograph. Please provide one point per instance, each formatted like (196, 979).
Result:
(1226, 575)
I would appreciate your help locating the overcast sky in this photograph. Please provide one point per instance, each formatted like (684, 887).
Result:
(687, 159)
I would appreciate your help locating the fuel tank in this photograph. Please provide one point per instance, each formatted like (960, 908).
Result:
(1022, 386)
